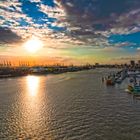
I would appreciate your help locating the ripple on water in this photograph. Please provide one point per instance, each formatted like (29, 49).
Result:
(68, 106)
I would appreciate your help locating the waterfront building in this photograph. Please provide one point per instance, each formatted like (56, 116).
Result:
(132, 63)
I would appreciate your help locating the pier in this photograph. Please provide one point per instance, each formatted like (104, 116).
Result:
(120, 76)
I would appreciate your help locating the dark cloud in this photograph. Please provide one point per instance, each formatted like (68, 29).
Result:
(99, 14)
(8, 36)
(89, 17)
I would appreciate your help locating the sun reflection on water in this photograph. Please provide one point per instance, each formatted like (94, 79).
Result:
(34, 105)
(33, 85)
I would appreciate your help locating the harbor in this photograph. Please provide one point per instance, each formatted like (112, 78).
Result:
(132, 73)
(127, 71)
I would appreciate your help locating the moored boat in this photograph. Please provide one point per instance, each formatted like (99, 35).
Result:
(135, 90)
(110, 82)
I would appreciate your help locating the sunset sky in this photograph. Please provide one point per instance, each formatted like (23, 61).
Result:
(71, 31)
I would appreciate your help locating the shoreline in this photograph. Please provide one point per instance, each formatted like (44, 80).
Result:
(13, 75)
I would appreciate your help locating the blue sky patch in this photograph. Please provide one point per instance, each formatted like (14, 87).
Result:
(31, 9)
(133, 39)
(49, 3)
(118, 38)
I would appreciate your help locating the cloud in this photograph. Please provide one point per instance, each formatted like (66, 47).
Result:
(7, 36)
(127, 58)
(84, 22)
(27, 18)
(98, 19)
(99, 14)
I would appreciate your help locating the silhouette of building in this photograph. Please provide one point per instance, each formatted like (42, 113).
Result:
(96, 64)
(139, 63)
(132, 63)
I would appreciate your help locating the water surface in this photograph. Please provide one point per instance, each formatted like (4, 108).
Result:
(70, 106)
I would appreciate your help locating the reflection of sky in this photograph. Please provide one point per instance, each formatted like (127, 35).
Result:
(108, 28)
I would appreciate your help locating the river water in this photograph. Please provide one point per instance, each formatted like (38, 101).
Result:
(69, 106)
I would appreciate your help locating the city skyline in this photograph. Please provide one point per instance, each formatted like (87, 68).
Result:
(89, 31)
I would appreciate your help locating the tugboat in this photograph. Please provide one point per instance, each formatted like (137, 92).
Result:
(110, 81)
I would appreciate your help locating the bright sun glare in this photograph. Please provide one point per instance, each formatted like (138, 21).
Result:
(33, 45)
(33, 85)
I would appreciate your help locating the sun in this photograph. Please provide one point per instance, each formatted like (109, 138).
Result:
(33, 45)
